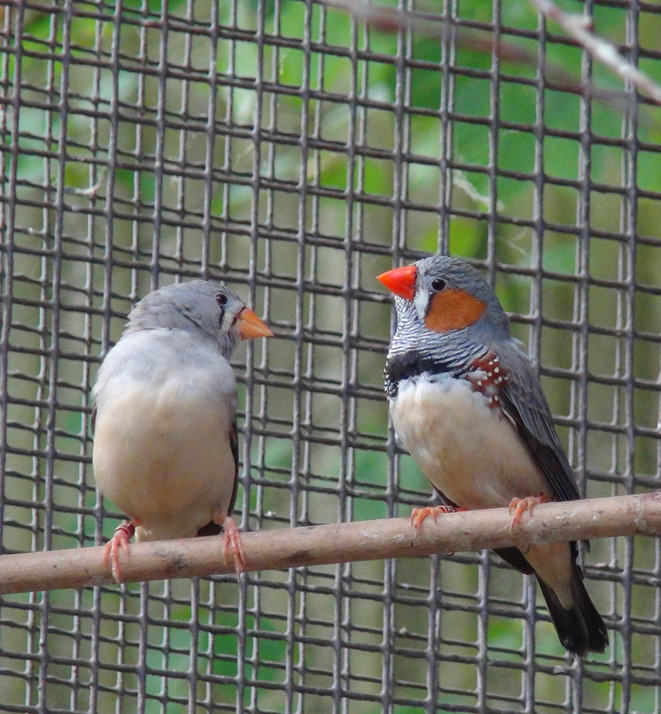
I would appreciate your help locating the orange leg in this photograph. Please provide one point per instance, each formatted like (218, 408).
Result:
(120, 541)
(518, 506)
(418, 515)
(232, 543)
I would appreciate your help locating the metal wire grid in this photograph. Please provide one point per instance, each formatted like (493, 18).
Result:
(288, 149)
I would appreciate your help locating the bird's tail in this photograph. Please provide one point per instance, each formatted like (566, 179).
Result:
(580, 628)
(211, 529)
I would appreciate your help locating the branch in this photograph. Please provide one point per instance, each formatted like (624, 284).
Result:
(434, 25)
(579, 27)
(337, 543)
(431, 24)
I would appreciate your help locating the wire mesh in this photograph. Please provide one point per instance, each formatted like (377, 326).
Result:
(297, 153)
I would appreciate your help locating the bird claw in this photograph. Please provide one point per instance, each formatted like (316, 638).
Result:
(518, 506)
(120, 541)
(233, 544)
(418, 515)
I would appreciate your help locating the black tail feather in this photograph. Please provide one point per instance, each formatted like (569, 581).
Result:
(210, 529)
(581, 628)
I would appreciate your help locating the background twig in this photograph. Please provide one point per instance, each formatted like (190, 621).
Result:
(432, 24)
(344, 542)
(579, 28)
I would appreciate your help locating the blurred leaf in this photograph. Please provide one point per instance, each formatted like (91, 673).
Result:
(467, 238)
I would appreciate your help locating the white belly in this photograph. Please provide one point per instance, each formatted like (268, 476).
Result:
(163, 456)
(469, 452)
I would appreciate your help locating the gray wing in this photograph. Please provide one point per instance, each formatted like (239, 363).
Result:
(212, 528)
(234, 445)
(524, 403)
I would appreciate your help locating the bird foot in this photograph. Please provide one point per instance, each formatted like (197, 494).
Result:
(518, 506)
(232, 543)
(418, 515)
(120, 541)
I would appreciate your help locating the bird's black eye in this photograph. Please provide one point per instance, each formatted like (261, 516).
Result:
(221, 299)
(437, 285)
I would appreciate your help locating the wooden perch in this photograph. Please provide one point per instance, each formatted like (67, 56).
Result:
(337, 543)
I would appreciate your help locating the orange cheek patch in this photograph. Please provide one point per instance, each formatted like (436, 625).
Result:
(453, 310)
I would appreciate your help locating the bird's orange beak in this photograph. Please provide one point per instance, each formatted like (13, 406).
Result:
(250, 326)
(400, 281)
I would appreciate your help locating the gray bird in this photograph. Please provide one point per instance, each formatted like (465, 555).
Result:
(165, 438)
(467, 404)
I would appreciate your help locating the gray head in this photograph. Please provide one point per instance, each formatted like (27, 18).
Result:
(445, 295)
(208, 309)
(447, 317)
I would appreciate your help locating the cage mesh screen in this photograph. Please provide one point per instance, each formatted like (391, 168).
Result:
(296, 152)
